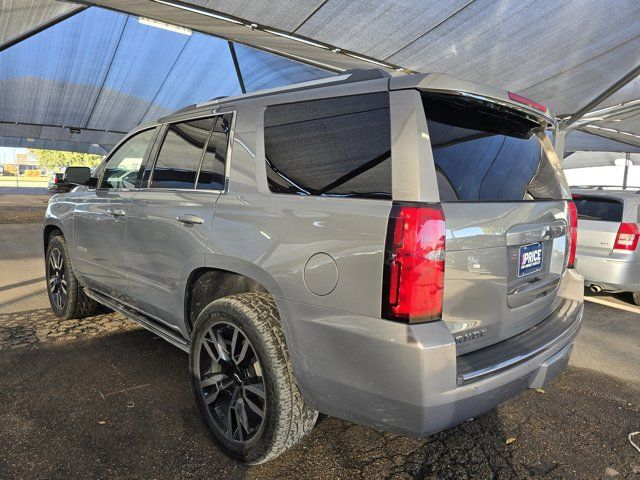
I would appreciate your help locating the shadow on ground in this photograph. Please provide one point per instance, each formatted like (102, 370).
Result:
(619, 297)
(102, 398)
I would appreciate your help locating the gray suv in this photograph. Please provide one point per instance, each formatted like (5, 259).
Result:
(394, 251)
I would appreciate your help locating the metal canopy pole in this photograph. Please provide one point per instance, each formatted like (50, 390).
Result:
(610, 113)
(236, 65)
(612, 134)
(603, 96)
(627, 160)
(559, 135)
(563, 126)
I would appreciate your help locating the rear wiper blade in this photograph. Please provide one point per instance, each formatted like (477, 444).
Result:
(361, 195)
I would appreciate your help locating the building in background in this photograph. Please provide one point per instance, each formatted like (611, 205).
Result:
(18, 162)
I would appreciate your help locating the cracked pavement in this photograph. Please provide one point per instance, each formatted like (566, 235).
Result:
(103, 398)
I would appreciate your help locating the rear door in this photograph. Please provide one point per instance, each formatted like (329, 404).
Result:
(599, 218)
(504, 199)
(169, 221)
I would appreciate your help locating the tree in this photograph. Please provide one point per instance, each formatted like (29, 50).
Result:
(56, 160)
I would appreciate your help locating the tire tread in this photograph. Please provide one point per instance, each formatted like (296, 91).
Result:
(296, 418)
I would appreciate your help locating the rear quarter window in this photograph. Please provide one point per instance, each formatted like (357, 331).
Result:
(330, 147)
(598, 208)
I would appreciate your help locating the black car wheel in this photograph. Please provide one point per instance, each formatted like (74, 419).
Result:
(243, 380)
(57, 279)
(65, 294)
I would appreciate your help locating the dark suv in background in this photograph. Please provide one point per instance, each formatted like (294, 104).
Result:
(57, 183)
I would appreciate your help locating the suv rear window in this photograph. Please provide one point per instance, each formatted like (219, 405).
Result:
(486, 152)
(332, 147)
(598, 208)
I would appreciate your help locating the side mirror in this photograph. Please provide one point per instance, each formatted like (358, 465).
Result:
(77, 175)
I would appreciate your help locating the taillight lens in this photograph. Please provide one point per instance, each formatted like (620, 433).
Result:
(414, 263)
(627, 238)
(573, 233)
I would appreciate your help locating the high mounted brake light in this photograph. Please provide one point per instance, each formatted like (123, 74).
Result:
(573, 233)
(414, 263)
(525, 101)
(627, 237)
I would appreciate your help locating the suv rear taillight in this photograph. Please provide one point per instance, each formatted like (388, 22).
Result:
(627, 238)
(414, 263)
(573, 234)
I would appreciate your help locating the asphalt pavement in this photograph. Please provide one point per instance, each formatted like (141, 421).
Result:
(10, 190)
(22, 205)
(104, 398)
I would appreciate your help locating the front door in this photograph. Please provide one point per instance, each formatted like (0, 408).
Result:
(168, 223)
(101, 214)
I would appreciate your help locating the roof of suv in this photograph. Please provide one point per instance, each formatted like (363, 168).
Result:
(432, 82)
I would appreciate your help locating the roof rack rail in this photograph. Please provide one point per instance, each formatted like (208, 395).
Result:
(348, 76)
(360, 74)
(183, 109)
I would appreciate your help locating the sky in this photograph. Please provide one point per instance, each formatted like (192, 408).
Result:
(8, 154)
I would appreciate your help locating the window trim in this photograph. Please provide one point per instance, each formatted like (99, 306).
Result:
(164, 127)
(102, 167)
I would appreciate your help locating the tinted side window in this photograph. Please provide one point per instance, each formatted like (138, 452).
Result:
(482, 153)
(180, 154)
(123, 168)
(212, 173)
(596, 208)
(336, 147)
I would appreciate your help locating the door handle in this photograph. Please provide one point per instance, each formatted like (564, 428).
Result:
(189, 219)
(116, 212)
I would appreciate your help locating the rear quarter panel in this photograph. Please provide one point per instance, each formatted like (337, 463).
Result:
(271, 237)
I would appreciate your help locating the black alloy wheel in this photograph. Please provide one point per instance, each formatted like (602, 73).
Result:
(231, 383)
(57, 279)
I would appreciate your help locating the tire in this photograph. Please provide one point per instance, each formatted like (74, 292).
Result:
(636, 298)
(65, 293)
(260, 379)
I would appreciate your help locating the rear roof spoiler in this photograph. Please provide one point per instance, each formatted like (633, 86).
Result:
(439, 82)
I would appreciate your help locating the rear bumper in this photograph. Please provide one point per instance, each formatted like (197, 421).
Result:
(612, 274)
(405, 378)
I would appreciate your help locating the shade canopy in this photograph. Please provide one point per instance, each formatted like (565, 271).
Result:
(598, 159)
(84, 82)
(102, 71)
